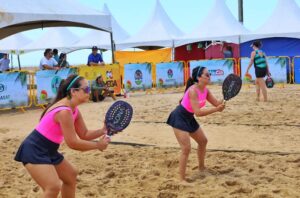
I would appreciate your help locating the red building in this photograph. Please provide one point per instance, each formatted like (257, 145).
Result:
(197, 51)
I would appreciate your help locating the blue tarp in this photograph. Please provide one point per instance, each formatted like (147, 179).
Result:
(278, 46)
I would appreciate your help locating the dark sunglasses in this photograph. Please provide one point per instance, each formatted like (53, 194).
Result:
(207, 75)
(86, 90)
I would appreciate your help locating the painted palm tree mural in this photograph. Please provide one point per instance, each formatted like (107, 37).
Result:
(14, 90)
(282, 61)
(278, 69)
(229, 64)
(22, 77)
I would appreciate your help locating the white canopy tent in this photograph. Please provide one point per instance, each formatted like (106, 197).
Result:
(56, 37)
(219, 24)
(102, 39)
(158, 31)
(14, 43)
(17, 16)
(284, 22)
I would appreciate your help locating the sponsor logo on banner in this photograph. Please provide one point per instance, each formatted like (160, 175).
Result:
(55, 83)
(128, 84)
(161, 82)
(109, 75)
(138, 77)
(216, 72)
(2, 87)
(170, 73)
(44, 95)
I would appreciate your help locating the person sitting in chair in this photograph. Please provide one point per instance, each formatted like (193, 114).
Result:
(100, 90)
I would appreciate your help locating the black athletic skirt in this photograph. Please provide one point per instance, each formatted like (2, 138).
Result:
(37, 149)
(260, 72)
(181, 119)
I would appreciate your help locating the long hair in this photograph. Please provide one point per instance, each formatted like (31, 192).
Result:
(197, 72)
(62, 90)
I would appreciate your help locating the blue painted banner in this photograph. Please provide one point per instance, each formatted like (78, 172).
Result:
(169, 74)
(219, 69)
(137, 76)
(297, 70)
(13, 90)
(48, 82)
(277, 66)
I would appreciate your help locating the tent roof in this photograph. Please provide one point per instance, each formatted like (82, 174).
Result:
(100, 38)
(158, 31)
(17, 16)
(283, 22)
(219, 24)
(14, 43)
(56, 37)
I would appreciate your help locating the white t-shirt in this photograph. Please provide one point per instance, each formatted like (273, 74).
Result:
(44, 61)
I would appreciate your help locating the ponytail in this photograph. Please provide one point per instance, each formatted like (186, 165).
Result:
(64, 90)
(189, 83)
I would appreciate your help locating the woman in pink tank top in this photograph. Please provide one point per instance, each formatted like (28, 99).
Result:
(183, 121)
(60, 121)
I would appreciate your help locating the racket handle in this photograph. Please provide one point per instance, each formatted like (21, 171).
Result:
(224, 102)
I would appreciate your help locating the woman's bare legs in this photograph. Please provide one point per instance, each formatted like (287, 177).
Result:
(183, 139)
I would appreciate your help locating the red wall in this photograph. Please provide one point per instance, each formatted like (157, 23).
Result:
(214, 51)
(182, 54)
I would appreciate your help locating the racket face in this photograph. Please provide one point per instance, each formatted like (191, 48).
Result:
(231, 86)
(118, 117)
(269, 82)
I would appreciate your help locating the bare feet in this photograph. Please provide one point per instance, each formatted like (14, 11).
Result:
(186, 183)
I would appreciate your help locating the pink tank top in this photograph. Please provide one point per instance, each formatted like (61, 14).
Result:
(186, 103)
(49, 128)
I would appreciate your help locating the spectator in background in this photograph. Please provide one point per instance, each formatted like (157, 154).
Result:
(4, 63)
(227, 50)
(100, 90)
(95, 59)
(62, 62)
(55, 55)
(48, 62)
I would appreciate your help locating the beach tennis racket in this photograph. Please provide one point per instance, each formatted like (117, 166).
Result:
(118, 117)
(231, 86)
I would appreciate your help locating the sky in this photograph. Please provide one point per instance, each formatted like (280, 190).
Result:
(133, 14)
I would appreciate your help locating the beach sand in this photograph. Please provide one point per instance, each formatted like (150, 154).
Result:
(253, 150)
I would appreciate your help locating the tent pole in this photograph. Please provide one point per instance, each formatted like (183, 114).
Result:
(173, 51)
(19, 62)
(241, 12)
(11, 62)
(112, 47)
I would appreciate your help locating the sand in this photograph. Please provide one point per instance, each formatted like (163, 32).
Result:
(253, 150)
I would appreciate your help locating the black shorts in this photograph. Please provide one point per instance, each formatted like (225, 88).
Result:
(181, 119)
(37, 149)
(260, 72)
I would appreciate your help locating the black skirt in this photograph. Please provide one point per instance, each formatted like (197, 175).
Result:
(181, 119)
(37, 149)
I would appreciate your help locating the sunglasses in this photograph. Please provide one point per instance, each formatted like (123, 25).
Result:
(207, 75)
(86, 90)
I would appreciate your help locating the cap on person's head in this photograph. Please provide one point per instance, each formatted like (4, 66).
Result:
(94, 48)
(256, 43)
